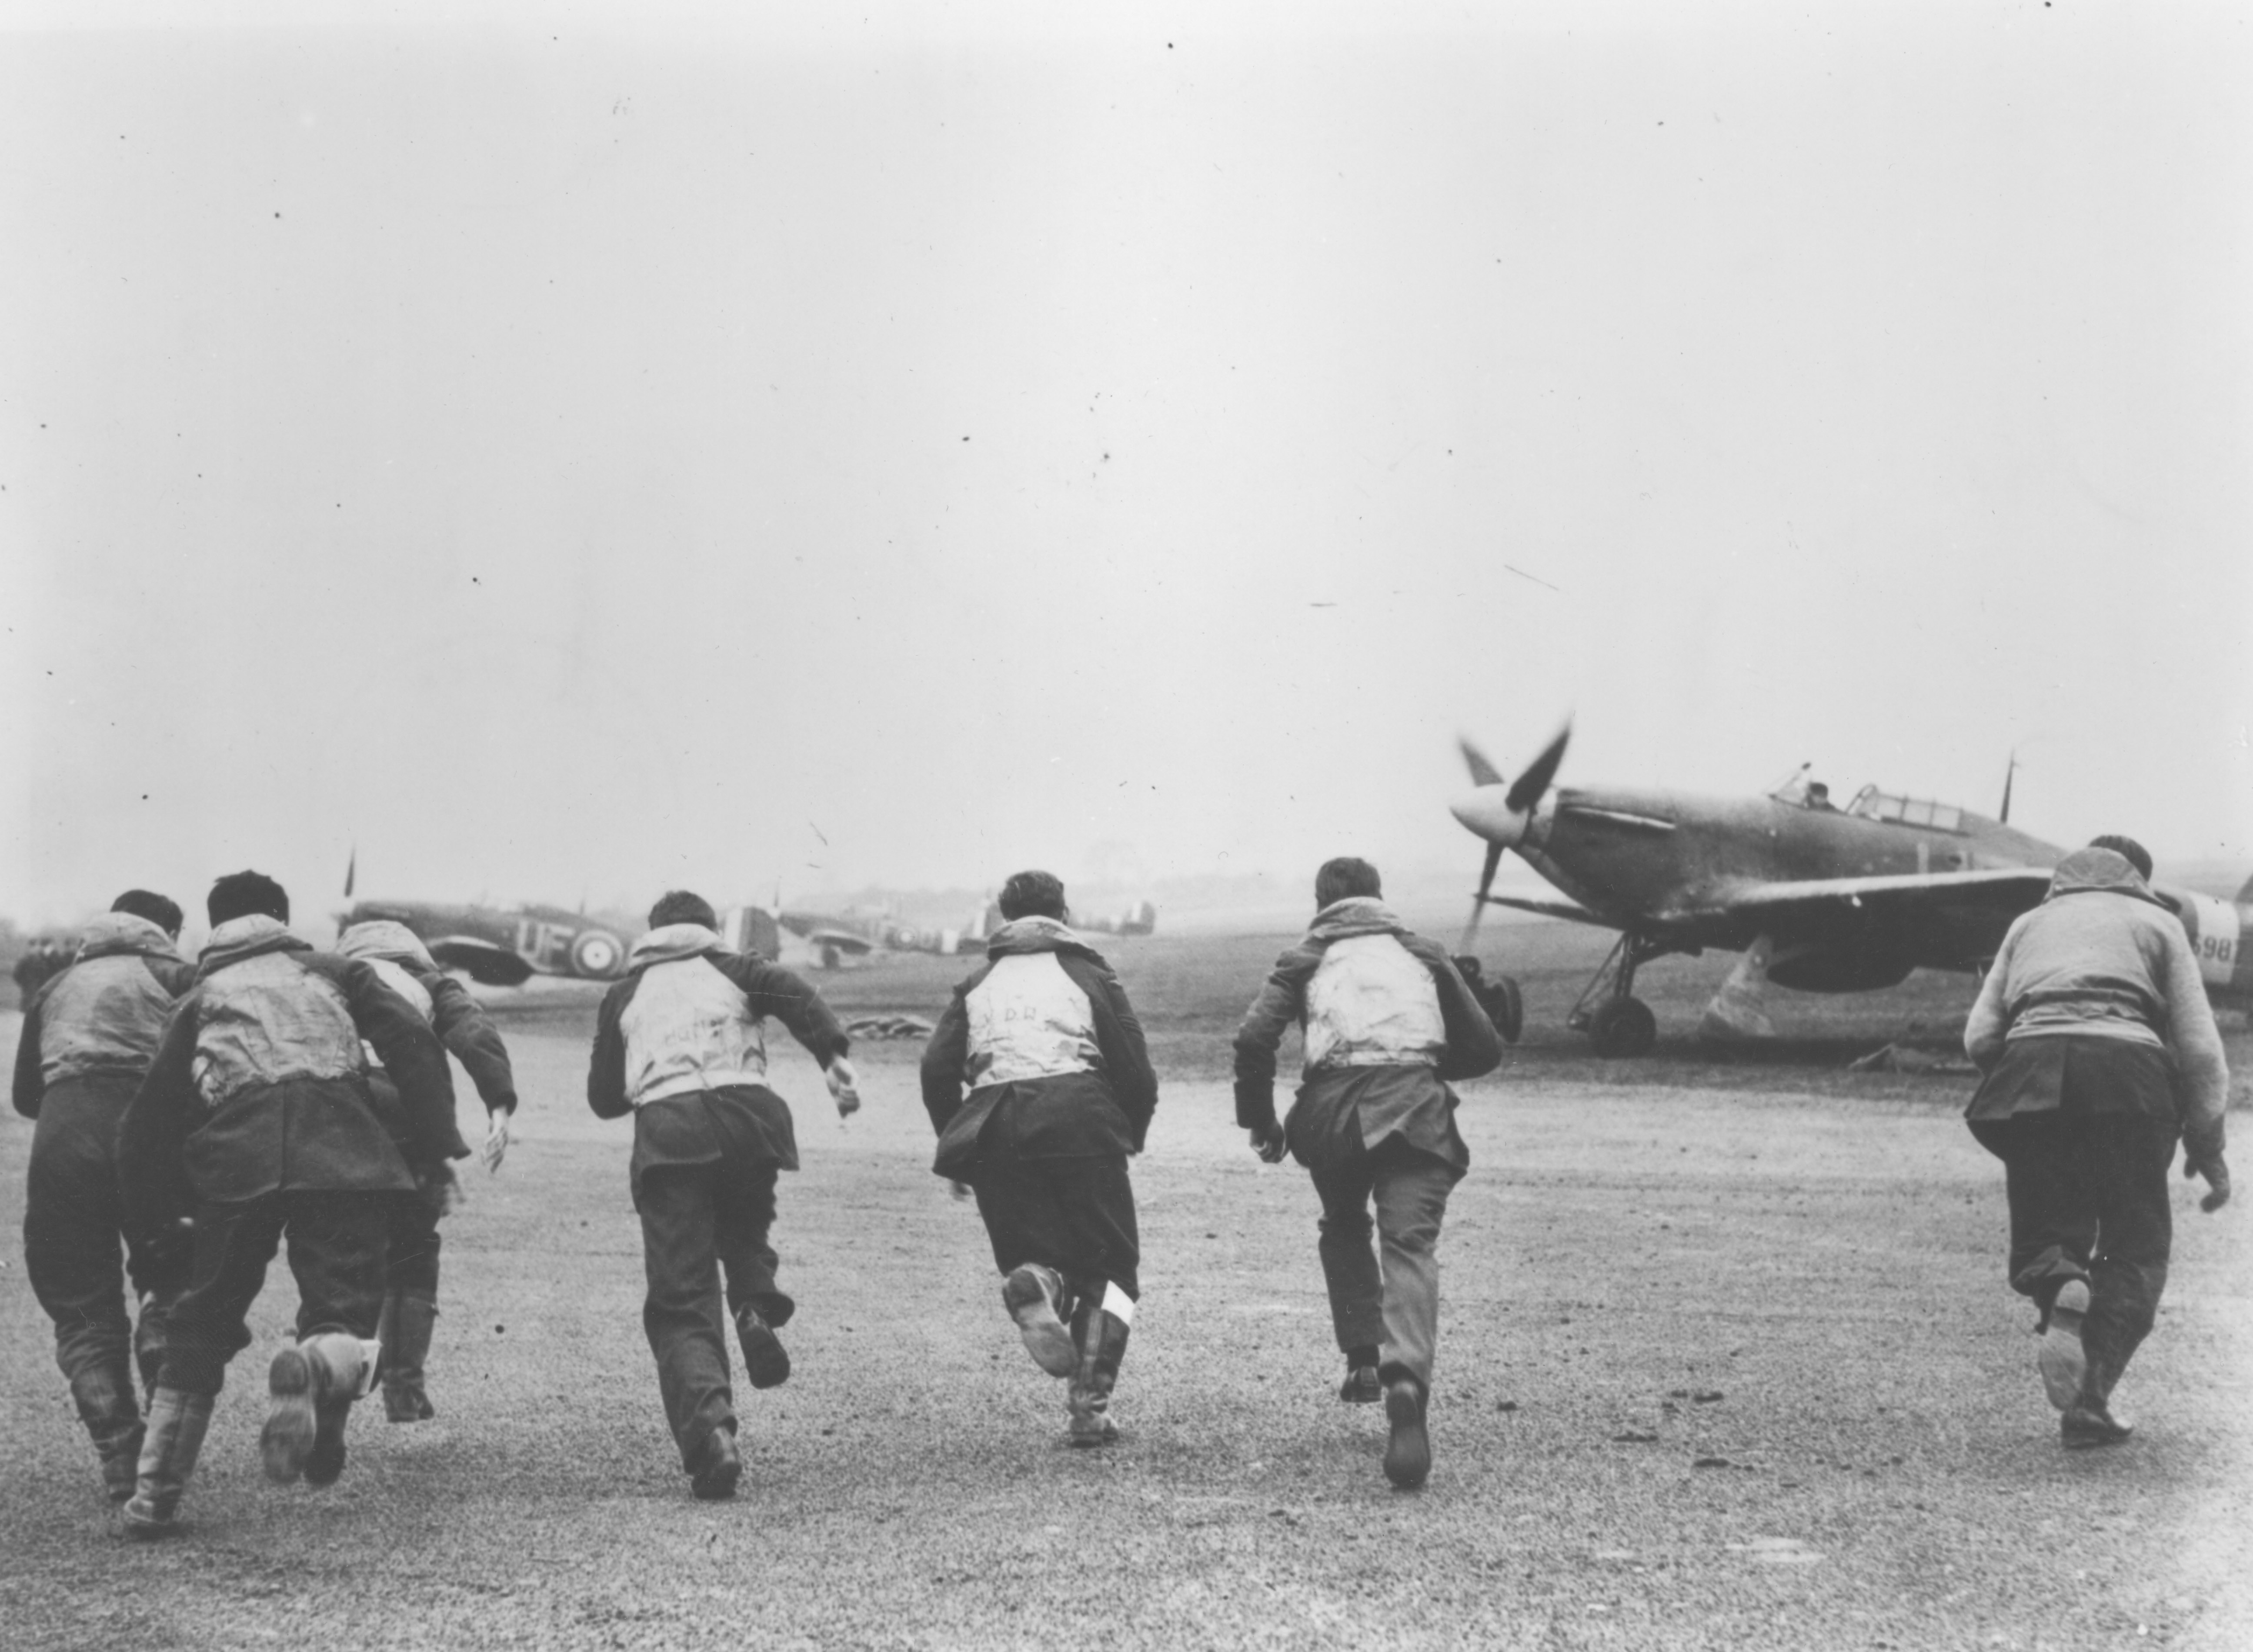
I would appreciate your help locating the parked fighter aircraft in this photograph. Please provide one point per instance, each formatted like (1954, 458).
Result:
(507, 946)
(1818, 898)
(835, 936)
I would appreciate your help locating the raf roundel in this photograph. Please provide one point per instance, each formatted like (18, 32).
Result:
(598, 954)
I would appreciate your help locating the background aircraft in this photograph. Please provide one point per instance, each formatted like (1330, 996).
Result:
(1818, 898)
(507, 946)
(835, 936)
(858, 931)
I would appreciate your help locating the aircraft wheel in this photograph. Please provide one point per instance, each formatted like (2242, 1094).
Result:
(1624, 1026)
(597, 954)
(1505, 1007)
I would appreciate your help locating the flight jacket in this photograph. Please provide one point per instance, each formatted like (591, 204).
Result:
(103, 1016)
(260, 1084)
(454, 1015)
(1049, 1050)
(1379, 1054)
(680, 1043)
(2100, 958)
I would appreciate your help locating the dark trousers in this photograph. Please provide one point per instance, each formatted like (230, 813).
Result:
(1394, 1309)
(411, 1257)
(337, 1241)
(1076, 1215)
(2089, 1199)
(73, 1225)
(698, 1222)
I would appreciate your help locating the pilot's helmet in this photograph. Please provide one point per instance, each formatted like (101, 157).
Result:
(386, 938)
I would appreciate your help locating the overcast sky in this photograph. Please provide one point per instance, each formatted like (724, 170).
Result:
(662, 445)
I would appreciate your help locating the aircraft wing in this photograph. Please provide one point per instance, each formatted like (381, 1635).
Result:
(481, 961)
(1551, 908)
(2010, 889)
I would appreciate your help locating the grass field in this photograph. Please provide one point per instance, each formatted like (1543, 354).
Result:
(1816, 1250)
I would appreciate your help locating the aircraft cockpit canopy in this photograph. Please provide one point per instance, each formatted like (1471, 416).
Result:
(1873, 804)
(1801, 792)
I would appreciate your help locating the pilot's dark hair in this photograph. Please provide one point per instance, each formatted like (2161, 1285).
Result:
(1034, 894)
(158, 909)
(681, 906)
(243, 894)
(1344, 878)
(2134, 853)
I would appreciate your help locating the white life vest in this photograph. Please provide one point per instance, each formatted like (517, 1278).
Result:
(689, 1027)
(266, 1018)
(1029, 1020)
(400, 981)
(1372, 1003)
(104, 1014)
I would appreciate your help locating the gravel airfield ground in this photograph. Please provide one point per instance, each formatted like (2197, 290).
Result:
(1725, 1362)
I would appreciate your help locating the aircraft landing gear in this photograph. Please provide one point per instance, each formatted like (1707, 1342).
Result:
(1505, 1007)
(1622, 1027)
(1616, 1021)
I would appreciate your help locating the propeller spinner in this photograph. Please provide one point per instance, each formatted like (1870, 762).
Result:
(1501, 813)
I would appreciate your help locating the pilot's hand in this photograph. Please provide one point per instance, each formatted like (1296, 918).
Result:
(2216, 1172)
(844, 1087)
(1268, 1144)
(494, 1148)
(960, 1189)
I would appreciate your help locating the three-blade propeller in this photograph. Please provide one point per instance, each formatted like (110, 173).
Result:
(1501, 813)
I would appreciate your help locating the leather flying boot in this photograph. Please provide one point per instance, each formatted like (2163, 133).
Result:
(410, 1316)
(149, 1336)
(766, 1362)
(2087, 1423)
(313, 1386)
(106, 1405)
(2089, 1420)
(1361, 1386)
(721, 1466)
(1408, 1453)
(177, 1422)
(1034, 1295)
(1100, 1331)
(387, 1337)
(2062, 1360)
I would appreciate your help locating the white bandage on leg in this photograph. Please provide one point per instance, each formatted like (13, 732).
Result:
(1117, 1304)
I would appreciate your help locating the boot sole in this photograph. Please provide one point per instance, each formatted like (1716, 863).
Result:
(1408, 1453)
(2090, 1435)
(1046, 1338)
(2061, 1359)
(766, 1362)
(716, 1483)
(287, 1439)
(406, 1408)
(147, 1528)
(717, 1486)
(325, 1464)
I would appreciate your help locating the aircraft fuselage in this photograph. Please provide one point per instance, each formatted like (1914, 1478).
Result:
(1663, 864)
